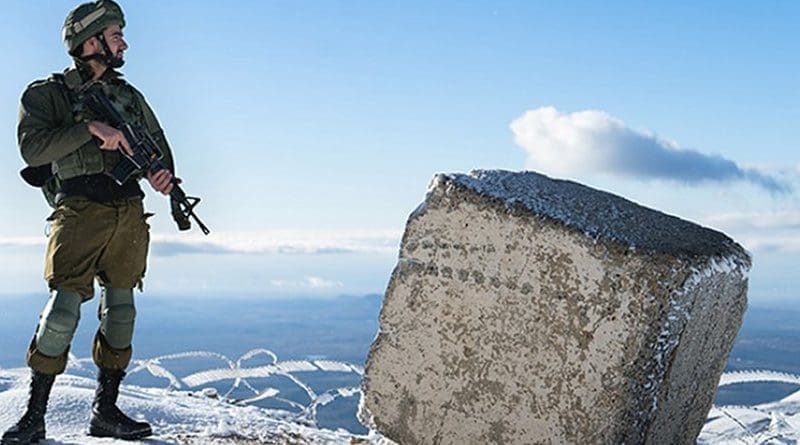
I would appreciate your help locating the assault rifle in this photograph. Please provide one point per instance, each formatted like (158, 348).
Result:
(147, 156)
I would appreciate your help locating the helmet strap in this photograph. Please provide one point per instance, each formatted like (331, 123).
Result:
(98, 57)
(107, 57)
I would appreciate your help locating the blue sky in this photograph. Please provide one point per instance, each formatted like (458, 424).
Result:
(311, 129)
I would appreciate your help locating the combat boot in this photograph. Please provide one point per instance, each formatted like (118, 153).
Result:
(107, 419)
(30, 429)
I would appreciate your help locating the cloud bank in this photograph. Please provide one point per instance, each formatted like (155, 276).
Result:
(763, 231)
(308, 282)
(277, 242)
(592, 141)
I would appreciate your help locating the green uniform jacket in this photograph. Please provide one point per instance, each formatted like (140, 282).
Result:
(51, 130)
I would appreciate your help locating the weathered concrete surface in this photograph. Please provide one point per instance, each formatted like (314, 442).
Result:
(526, 310)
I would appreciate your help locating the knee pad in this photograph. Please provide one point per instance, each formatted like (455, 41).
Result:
(58, 322)
(117, 316)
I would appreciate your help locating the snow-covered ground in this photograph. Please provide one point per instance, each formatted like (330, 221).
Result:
(189, 411)
(771, 423)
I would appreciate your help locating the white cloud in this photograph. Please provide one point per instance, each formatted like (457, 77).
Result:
(276, 242)
(280, 242)
(23, 241)
(299, 262)
(761, 232)
(783, 220)
(308, 282)
(321, 283)
(771, 243)
(593, 141)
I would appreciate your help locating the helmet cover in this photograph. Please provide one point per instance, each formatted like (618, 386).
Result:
(89, 19)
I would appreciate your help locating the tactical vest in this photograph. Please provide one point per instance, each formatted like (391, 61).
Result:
(89, 159)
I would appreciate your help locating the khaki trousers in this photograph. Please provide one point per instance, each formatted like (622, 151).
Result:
(88, 240)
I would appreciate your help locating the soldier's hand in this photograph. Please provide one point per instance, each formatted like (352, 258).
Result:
(111, 138)
(161, 181)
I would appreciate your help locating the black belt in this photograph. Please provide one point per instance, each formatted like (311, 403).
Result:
(99, 188)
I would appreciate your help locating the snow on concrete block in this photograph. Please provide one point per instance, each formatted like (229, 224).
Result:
(530, 310)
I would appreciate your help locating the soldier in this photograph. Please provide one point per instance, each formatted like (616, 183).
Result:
(98, 229)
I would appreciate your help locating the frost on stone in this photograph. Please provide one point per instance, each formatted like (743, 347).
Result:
(598, 214)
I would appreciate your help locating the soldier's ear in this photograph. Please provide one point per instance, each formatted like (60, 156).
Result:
(90, 46)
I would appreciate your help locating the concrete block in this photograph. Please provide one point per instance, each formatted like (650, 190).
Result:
(529, 310)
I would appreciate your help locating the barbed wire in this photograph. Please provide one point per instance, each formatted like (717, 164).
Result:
(238, 373)
(777, 421)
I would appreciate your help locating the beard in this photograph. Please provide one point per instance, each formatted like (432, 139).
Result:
(114, 62)
(109, 61)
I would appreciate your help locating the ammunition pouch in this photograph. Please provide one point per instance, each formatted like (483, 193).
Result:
(43, 177)
(37, 176)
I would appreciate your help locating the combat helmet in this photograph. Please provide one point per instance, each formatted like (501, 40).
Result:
(90, 19)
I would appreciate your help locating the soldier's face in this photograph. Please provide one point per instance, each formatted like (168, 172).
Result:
(115, 41)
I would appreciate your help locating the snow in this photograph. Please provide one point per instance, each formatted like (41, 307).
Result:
(180, 416)
(203, 416)
(664, 344)
(775, 422)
